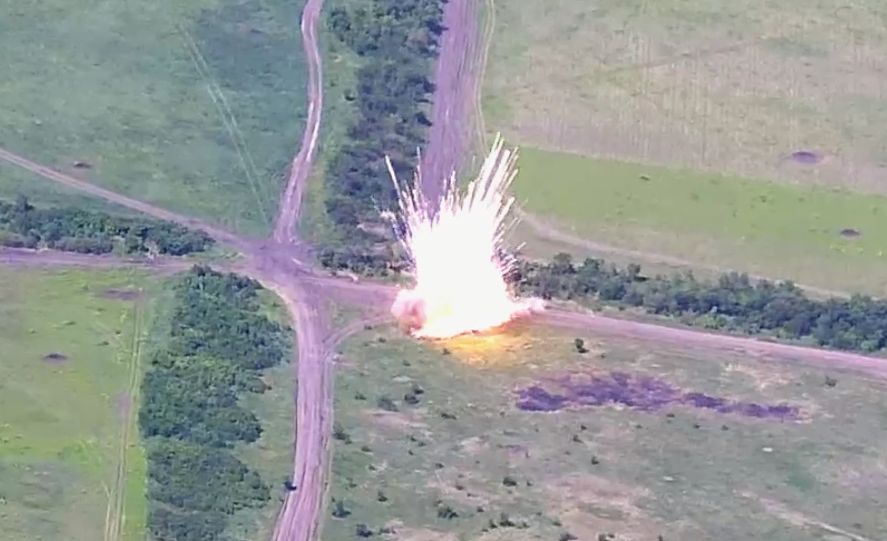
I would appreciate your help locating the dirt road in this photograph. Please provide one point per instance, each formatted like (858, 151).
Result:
(291, 201)
(451, 129)
(118, 199)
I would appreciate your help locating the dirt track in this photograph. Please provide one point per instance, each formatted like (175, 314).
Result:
(291, 201)
(449, 135)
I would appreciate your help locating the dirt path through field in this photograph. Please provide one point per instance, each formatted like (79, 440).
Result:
(118, 199)
(549, 232)
(291, 201)
(449, 137)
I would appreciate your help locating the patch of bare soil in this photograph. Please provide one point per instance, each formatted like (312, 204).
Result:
(589, 505)
(417, 534)
(122, 294)
(55, 358)
(395, 421)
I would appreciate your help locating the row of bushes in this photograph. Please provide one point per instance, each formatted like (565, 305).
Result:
(397, 42)
(217, 347)
(733, 302)
(76, 230)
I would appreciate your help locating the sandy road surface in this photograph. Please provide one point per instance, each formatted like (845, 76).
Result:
(376, 297)
(450, 132)
(291, 201)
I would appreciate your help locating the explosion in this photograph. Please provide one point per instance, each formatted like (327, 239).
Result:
(458, 253)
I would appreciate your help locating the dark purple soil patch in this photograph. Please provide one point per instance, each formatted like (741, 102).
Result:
(850, 233)
(806, 157)
(55, 357)
(642, 393)
(122, 294)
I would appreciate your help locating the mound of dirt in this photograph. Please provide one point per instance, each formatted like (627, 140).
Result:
(55, 357)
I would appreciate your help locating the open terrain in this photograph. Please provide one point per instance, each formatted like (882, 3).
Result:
(708, 98)
(71, 466)
(439, 441)
(816, 236)
(619, 496)
(194, 105)
(731, 86)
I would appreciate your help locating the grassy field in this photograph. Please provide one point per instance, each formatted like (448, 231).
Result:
(727, 86)
(71, 466)
(678, 471)
(197, 106)
(759, 227)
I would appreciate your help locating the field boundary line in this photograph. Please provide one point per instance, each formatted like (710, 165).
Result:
(228, 119)
(116, 515)
(551, 232)
(486, 44)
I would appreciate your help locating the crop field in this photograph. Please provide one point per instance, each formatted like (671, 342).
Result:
(71, 466)
(519, 436)
(197, 106)
(832, 239)
(789, 90)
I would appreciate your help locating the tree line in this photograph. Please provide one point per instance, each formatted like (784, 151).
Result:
(70, 229)
(216, 348)
(396, 41)
(731, 303)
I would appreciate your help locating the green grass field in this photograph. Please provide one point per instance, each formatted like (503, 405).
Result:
(272, 454)
(724, 86)
(68, 424)
(679, 472)
(197, 106)
(770, 229)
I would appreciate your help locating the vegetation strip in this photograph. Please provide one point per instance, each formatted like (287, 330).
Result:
(734, 303)
(397, 41)
(75, 230)
(217, 347)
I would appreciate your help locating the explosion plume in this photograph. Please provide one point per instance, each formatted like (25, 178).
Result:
(457, 252)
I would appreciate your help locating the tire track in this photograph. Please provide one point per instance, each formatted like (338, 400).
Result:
(291, 201)
(116, 513)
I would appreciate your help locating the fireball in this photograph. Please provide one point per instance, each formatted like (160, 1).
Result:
(457, 253)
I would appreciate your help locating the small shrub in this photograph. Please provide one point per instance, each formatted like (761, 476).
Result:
(386, 404)
(381, 497)
(567, 536)
(340, 434)
(362, 530)
(444, 511)
(509, 481)
(339, 510)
